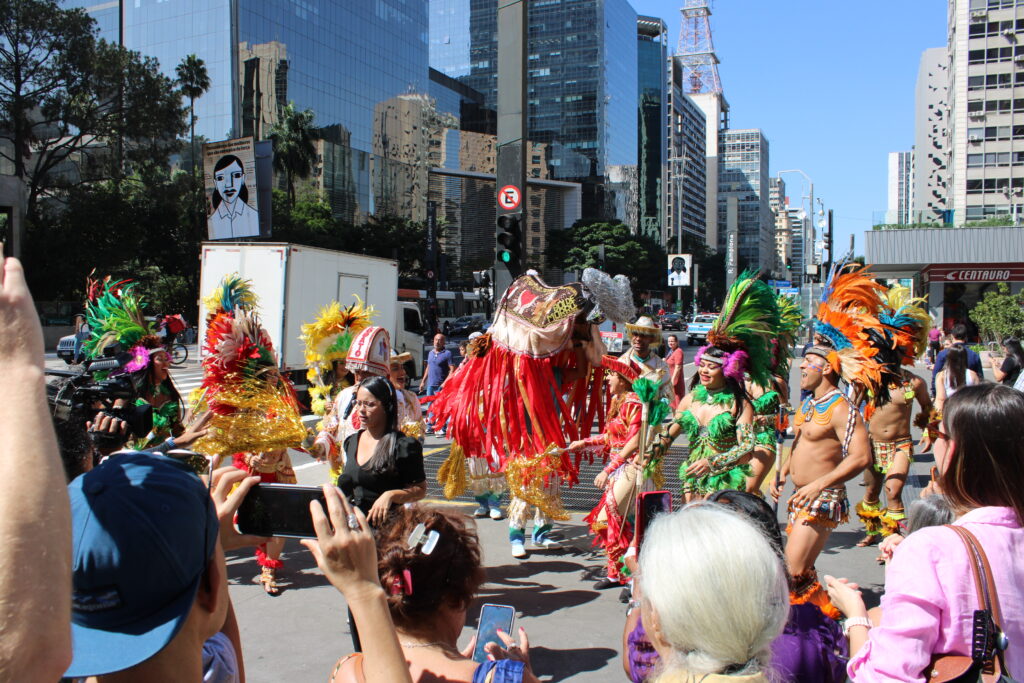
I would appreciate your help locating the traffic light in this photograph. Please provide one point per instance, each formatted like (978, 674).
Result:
(510, 242)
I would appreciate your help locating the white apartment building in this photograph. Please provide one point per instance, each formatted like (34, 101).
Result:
(986, 118)
(931, 143)
(901, 188)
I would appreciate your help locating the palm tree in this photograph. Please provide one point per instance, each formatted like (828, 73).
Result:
(194, 81)
(294, 150)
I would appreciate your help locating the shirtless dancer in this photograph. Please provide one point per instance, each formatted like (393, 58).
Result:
(893, 452)
(830, 447)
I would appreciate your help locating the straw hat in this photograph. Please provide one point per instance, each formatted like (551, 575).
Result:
(643, 326)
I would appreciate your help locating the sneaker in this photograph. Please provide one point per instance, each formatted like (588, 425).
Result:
(605, 582)
(495, 513)
(545, 542)
(625, 595)
(518, 549)
(481, 511)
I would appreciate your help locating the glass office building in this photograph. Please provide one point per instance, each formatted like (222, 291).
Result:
(344, 60)
(652, 78)
(581, 89)
(743, 191)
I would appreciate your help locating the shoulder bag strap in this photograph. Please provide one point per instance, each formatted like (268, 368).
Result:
(985, 585)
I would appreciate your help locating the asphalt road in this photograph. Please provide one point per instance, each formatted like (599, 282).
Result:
(575, 631)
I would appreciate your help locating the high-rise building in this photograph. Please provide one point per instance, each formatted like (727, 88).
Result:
(343, 60)
(581, 88)
(743, 197)
(652, 141)
(900, 188)
(931, 144)
(685, 197)
(802, 236)
(986, 141)
(778, 202)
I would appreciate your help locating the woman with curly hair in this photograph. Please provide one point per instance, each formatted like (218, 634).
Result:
(428, 596)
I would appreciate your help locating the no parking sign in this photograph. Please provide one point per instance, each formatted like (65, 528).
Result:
(509, 197)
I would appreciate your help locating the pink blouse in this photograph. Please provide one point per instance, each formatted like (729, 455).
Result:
(930, 598)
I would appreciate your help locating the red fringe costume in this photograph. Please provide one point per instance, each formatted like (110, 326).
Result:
(527, 394)
(612, 530)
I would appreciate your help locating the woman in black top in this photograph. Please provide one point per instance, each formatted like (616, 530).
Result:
(383, 467)
(1012, 364)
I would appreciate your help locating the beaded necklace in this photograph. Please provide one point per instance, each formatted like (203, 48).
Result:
(819, 410)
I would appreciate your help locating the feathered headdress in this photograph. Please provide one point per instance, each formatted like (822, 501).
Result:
(232, 293)
(254, 407)
(847, 315)
(328, 339)
(113, 312)
(790, 320)
(910, 322)
(744, 330)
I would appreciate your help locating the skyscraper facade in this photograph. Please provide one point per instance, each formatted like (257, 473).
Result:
(778, 202)
(343, 60)
(582, 88)
(652, 147)
(743, 197)
(900, 188)
(986, 138)
(687, 186)
(931, 145)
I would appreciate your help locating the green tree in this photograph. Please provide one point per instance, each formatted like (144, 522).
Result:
(66, 99)
(294, 148)
(636, 256)
(194, 81)
(1000, 314)
(138, 228)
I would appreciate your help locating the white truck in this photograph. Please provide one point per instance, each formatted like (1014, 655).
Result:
(294, 281)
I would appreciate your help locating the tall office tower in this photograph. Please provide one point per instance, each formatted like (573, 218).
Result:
(986, 57)
(779, 205)
(743, 197)
(800, 243)
(652, 141)
(685, 196)
(699, 62)
(582, 88)
(901, 188)
(330, 56)
(931, 137)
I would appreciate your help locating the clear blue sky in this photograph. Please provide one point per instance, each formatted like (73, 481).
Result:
(831, 84)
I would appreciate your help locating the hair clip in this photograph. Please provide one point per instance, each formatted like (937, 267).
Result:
(421, 537)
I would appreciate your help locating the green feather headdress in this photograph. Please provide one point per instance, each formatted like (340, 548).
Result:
(745, 329)
(114, 314)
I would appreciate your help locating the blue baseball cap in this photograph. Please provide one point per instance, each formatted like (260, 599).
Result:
(138, 524)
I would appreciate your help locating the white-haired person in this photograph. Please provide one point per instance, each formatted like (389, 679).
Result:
(711, 625)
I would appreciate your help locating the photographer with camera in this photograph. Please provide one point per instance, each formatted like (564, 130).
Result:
(35, 526)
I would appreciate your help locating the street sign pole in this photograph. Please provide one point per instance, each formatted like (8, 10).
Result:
(511, 234)
(432, 266)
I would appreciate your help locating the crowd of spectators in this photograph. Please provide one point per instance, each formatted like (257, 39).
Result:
(120, 574)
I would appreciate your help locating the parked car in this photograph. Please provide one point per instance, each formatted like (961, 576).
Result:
(673, 321)
(468, 324)
(697, 331)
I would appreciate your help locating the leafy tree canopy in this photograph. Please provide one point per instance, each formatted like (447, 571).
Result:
(74, 108)
(999, 314)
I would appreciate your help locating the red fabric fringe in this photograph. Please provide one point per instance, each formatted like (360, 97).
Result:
(263, 560)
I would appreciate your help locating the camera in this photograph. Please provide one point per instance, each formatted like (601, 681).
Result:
(98, 387)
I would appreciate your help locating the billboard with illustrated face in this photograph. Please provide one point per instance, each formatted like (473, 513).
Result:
(679, 267)
(230, 175)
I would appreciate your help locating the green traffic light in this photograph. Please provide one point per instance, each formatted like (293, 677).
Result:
(505, 256)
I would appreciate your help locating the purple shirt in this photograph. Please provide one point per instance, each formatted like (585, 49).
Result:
(930, 598)
(439, 364)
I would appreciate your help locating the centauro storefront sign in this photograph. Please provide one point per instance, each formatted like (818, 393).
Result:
(996, 272)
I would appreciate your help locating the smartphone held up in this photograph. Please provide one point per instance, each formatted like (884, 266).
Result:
(279, 510)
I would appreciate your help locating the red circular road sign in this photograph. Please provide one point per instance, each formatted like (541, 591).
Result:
(509, 197)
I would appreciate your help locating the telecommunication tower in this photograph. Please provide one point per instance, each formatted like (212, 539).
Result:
(696, 51)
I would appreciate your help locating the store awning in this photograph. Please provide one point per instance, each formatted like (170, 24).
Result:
(896, 253)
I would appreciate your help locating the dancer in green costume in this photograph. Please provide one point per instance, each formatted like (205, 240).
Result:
(717, 415)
